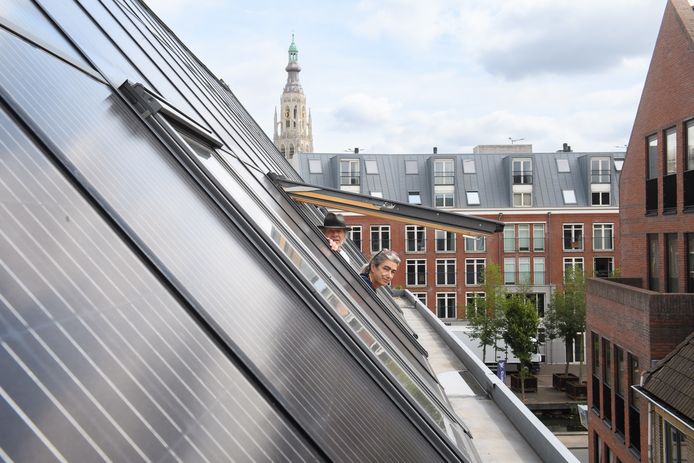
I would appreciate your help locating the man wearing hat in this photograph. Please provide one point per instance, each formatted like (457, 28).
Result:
(335, 230)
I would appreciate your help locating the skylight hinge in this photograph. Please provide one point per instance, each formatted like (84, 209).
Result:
(145, 103)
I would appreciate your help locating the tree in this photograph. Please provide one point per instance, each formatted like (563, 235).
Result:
(566, 315)
(486, 319)
(520, 328)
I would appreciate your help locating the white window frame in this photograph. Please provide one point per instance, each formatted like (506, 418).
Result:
(475, 244)
(509, 237)
(602, 173)
(539, 270)
(478, 266)
(573, 227)
(420, 238)
(446, 199)
(470, 297)
(573, 262)
(450, 300)
(509, 270)
(438, 239)
(380, 230)
(524, 273)
(417, 274)
(371, 166)
(422, 296)
(603, 227)
(611, 258)
(448, 279)
(526, 199)
(524, 237)
(540, 238)
(670, 154)
(353, 172)
(356, 230)
(603, 198)
(445, 167)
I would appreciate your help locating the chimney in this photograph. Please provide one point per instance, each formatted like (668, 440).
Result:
(436, 149)
(566, 148)
(356, 150)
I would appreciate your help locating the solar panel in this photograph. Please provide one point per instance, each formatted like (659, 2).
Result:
(99, 361)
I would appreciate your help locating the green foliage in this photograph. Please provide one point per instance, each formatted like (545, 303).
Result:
(486, 322)
(566, 315)
(520, 326)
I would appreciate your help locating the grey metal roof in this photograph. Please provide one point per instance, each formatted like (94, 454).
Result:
(493, 177)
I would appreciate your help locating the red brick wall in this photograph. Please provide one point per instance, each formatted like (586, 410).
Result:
(553, 253)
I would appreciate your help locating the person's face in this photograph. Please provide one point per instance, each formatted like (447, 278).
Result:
(383, 274)
(335, 234)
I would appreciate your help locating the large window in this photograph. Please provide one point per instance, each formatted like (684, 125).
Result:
(574, 264)
(510, 237)
(672, 272)
(416, 272)
(415, 238)
(602, 236)
(670, 151)
(606, 380)
(653, 264)
(600, 198)
(445, 272)
(652, 157)
(380, 237)
(524, 270)
(676, 445)
(539, 270)
(443, 199)
(522, 171)
(349, 172)
(445, 305)
(472, 303)
(474, 271)
(619, 389)
(475, 244)
(689, 131)
(524, 237)
(445, 241)
(355, 235)
(690, 262)
(600, 170)
(595, 366)
(573, 237)
(522, 199)
(444, 173)
(509, 270)
(603, 266)
(538, 237)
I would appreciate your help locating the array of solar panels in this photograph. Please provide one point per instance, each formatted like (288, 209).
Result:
(160, 297)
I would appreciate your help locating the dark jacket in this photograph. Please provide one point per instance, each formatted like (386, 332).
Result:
(365, 277)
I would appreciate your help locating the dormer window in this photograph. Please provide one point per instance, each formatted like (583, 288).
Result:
(350, 178)
(600, 170)
(444, 173)
(522, 171)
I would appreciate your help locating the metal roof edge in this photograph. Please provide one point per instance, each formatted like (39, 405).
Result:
(545, 444)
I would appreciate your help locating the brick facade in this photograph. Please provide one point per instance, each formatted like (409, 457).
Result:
(646, 325)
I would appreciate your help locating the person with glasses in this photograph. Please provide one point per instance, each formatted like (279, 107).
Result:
(381, 269)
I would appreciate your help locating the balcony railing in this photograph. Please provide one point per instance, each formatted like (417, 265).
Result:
(444, 178)
(600, 176)
(652, 196)
(350, 179)
(522, 177)
(669, 193)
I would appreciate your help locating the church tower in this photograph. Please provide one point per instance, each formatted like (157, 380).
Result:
(293, 132)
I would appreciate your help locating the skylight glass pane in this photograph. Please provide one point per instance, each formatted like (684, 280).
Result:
(473, 198)
(411, 167)
(469, 166)
(314, 166)
(371, 167)
(569, 196)
(618, 163)
(413, 197)
(563, 165)
(377, 194)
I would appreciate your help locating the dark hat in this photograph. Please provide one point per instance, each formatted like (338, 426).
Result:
(334, 221)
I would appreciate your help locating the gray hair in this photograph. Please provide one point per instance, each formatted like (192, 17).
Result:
(380, 257)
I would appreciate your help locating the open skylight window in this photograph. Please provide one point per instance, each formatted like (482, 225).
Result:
(563, 165)
(618, 163)
(371, 166)
(469, 166)
(569, 196)
(314, 166)
(473, 198)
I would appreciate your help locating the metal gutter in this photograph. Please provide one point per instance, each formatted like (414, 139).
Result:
(543, 442)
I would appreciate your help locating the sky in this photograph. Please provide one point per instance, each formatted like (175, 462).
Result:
(403, 76)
